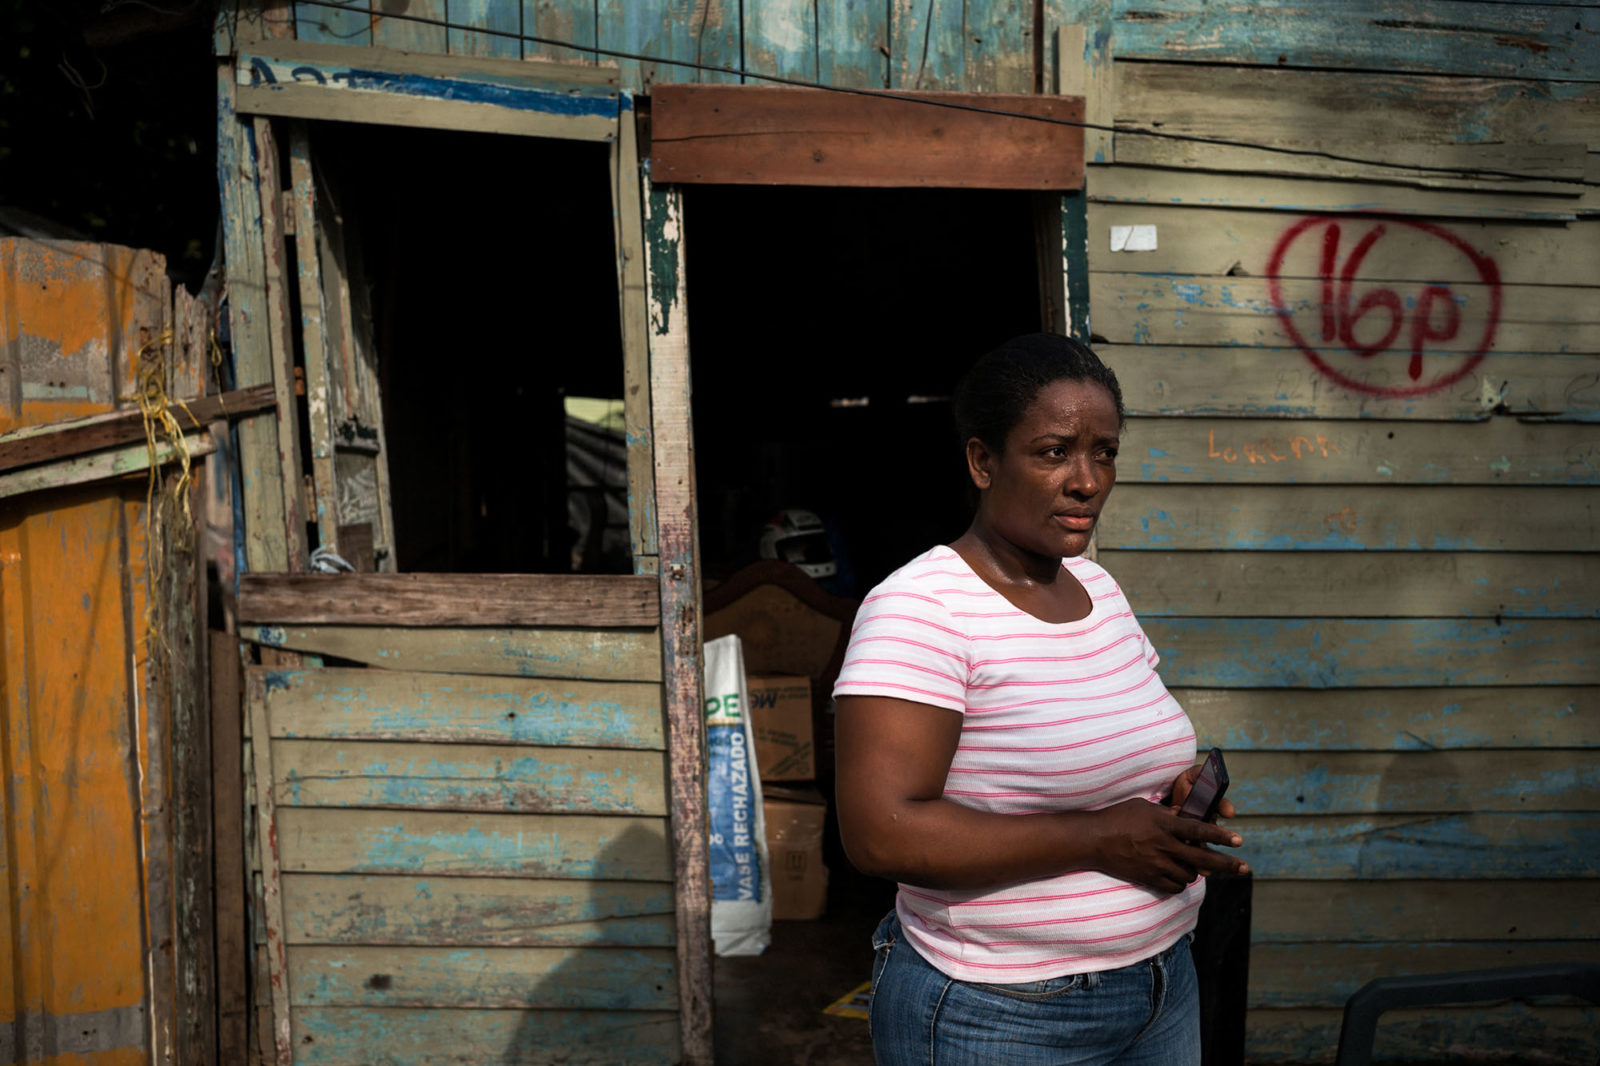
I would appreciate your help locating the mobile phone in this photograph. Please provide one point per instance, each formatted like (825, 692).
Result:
(1208, 788)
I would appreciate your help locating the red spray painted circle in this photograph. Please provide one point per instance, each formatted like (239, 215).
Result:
(1339, 318)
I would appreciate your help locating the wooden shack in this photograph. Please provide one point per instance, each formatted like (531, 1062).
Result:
(1345, 263)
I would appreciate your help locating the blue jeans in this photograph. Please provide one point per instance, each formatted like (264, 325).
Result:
(1146, 1014)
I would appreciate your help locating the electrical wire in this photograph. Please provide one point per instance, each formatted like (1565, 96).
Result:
(953, 105)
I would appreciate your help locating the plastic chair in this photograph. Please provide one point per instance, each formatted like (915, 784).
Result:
(1361, 1011)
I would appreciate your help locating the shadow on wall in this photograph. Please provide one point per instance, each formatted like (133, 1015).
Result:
(613, 998)
(575, 967)
(1461, 834)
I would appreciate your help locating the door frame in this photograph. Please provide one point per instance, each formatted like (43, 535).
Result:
(267, 82)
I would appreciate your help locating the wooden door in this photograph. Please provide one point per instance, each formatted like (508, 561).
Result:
(349, 457)
(466, 832)
(484, 829)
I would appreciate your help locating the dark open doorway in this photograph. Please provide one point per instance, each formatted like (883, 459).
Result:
(828, 328)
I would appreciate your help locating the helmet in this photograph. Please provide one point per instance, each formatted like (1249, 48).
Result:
(798, 537)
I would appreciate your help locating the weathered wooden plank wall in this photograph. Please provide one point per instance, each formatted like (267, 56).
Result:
(1352, 517)
(900, 44)
(409, 35)
(911, 44)
(478, 858)
(1537, 42)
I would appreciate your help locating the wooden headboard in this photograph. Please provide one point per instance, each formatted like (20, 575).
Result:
(788, 625)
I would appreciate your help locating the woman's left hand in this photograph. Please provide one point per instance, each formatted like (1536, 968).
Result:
(1185, 784)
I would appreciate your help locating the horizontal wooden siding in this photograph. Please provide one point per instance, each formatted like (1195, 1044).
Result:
(472, 843)
(1358, 486)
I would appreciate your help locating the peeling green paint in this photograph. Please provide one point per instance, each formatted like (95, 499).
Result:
(662, 225)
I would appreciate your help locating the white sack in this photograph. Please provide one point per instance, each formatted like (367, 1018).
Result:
(741, 885)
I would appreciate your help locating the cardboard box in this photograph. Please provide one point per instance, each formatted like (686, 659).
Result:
(780, 714)
(794, 849)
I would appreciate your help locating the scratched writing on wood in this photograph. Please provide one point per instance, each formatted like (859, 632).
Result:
(1430, 333)
(1272, 449)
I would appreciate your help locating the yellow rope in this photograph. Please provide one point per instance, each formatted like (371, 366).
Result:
(216, 361)
(161, 428)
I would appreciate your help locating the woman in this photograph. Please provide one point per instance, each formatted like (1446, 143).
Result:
(1007, 753)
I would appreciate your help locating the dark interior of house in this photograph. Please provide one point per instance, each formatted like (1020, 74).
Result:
(821, 367)
(828, 328)
(484, 319)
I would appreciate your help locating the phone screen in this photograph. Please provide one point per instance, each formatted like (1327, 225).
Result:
(1208, 788)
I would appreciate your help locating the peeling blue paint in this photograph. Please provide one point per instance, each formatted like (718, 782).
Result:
(384, 1034)
(1357, 35)
(616, 979)
(1428, 846)
(401, 848)
(1317, 789)
(486, 89)
(1336, 653)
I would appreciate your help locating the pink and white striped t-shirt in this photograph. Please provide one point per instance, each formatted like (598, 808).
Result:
(1057, 717)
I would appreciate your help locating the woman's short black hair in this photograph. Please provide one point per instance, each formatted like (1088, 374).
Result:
(996, 392)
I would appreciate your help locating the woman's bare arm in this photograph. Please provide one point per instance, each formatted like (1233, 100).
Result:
(893, 756)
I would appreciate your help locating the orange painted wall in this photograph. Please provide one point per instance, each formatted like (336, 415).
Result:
(73, 929)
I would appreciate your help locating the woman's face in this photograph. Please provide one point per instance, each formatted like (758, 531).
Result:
(1045, 491)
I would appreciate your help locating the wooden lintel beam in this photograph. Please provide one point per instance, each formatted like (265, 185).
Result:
(292, 79)
(756, 135)
(625, 600)
(62, 440)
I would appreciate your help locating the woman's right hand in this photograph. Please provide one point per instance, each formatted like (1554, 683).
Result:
(1148, 844)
